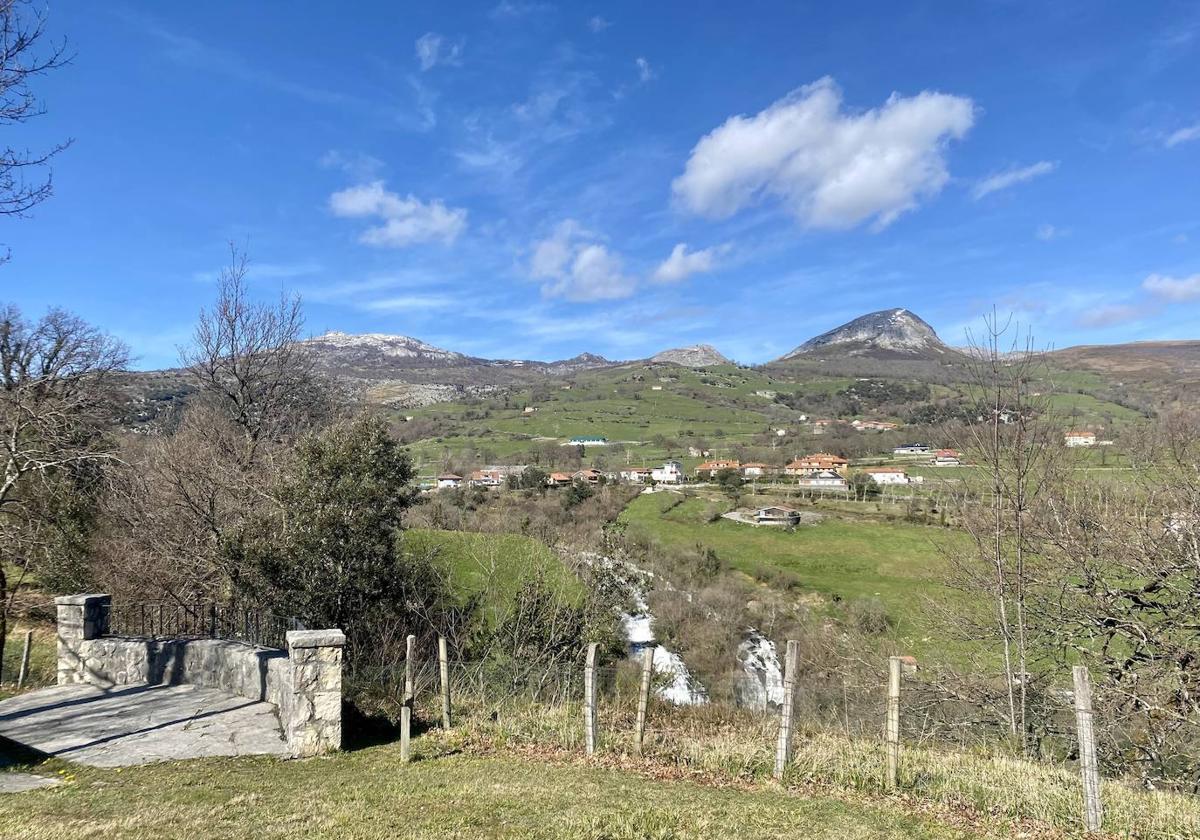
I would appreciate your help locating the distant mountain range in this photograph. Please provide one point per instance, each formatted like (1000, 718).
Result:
(885, 334)
(402, 370)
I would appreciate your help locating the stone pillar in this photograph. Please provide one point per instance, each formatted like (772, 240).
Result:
(80, 618)
(311, 711)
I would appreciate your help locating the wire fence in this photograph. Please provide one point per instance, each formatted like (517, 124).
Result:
(199, 620)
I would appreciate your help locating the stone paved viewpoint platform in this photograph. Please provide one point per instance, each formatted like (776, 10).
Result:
(129, 725)
(124, 700)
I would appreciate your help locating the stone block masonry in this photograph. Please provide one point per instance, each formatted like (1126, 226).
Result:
(304, 682)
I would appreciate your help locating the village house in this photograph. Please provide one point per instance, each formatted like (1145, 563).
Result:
(776, 515)
(1079, 438)
(449, 480)
(891, 475)
(529, 409)
(671, 472)
(635, 475)
(754, 470)
(486, 478)
(912, 449)
(588, 476)
(947, 458)
(874, 425)
(495, 475)
(823, 480)
(820, 462)
(696, 452)
(587, 440)
(820, 424)
(710, 468)
(558, 479)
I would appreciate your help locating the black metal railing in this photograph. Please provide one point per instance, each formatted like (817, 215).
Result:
(199, 620)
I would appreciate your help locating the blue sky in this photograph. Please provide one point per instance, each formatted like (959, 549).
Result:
(533, 180)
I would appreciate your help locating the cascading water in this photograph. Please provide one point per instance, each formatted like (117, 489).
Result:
(761, 683)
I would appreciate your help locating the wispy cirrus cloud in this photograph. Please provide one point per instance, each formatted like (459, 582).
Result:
(829, 167)
(433, 49)
(1011, 177)
(405, 220)
(1182, 135)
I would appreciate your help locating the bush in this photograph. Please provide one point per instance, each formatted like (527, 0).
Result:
(868, 616)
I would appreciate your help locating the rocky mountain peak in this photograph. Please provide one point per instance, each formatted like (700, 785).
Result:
(889, 332)
(698, 355)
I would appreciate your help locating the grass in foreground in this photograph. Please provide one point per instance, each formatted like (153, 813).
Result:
(369, 794)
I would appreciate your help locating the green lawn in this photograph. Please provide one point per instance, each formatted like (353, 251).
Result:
(494, 566)
(841, 559)
(369, 794)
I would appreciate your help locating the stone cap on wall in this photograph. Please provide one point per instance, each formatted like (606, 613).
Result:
(315, 638)
(80, 600)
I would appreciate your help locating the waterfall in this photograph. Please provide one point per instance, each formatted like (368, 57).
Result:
(761, 682)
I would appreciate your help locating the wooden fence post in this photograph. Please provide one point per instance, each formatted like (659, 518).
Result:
(24, 672)
(589, 700)
(783, 749)
(1092, 814)
(409, 697)
(444, 671)
(644, 696)
(895, 668)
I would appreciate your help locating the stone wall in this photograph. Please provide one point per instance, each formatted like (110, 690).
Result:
(304, 683)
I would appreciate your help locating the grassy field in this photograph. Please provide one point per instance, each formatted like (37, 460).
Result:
(42, 657)
(841, 558)
(369, 794)
(495, 566)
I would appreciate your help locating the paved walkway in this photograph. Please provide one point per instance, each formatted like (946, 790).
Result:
(127, 725)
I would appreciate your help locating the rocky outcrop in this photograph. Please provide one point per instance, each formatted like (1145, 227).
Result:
(889, 332)
(696, 356)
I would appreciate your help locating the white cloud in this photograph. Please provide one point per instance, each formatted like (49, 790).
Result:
(1048, 233)
(598, 24)
(1177, 289)
(1183, 135)
(407, 303)
(405, 220)
(681, 264)
(433, 49)
(577, 267)
(506, 9)
(1012, 177)
(356, 164)
(832, 169)
(1108, 315)
(645, 71)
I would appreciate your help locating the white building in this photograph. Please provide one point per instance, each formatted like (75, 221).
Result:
(671, 472)
(1079, 438)
(449, 480)
(912, 449)
(824, 480)
(946, 458)
(888, 475)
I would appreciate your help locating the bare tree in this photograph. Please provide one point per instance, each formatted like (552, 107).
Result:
(1124, 599)
(182, 506)
(24, 55)
(1015, 439)
(246, 358)
(54, 396)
